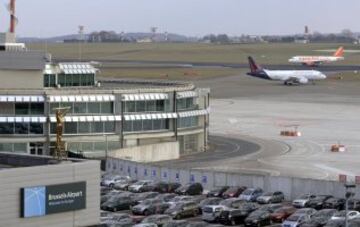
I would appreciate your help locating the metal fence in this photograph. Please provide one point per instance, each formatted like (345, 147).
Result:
(292, 187)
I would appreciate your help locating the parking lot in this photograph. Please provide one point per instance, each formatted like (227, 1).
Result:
(127, 202)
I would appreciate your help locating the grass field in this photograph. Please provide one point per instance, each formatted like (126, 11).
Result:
(185, 52)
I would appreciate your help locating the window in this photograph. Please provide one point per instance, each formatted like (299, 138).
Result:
(6, 147)
(130, 107)
(22, 108)
(97, 127)
(146, 125)
(160, 105)
(107, 107)
(70, 128)
(49, 80)
(109, 127)
(36, 108)
(93, 107)
(6, 128)
(76, 80)
(61, 80)
(20, 147)
(186, 103)
(80, 107)
(187, 122)
(150, 106)
(21, 128)
(36, 128)
(84, 127)
(140, 106)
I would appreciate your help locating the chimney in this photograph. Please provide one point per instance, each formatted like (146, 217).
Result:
(12, 16)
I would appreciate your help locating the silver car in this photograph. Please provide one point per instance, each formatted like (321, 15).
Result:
(295, 220)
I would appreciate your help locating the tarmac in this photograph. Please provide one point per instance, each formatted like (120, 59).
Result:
(247, 111)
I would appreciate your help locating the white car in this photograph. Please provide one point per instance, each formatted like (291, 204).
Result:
(295, 220)
(136, 187)
(111, 180)
(302, 200)
(212, 212)
(340, 215)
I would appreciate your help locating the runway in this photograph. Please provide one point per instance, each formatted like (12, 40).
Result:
(108, 63)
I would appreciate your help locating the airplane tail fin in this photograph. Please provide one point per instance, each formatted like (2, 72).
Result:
(339, 52)
(253, 66)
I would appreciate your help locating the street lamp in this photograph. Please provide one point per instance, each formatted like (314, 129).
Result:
(350, 188)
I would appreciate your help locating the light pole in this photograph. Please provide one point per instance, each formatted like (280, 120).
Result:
(348, 195)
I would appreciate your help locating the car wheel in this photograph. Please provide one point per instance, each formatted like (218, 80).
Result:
(232, 221)
(114, 209)
(146, 213)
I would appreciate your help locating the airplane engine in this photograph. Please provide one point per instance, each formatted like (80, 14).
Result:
(303, 80)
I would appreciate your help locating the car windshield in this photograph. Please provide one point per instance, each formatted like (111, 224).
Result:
(293, 218)
(232, 190)
(113, 199)
(248, 192)
(148, 202)
(340, 214)
(140, 183)
(226, 203)
(268, 194)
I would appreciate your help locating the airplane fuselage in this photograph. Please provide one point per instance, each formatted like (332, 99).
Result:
(314, 59)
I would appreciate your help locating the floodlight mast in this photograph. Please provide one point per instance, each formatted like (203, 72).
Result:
(60, 151)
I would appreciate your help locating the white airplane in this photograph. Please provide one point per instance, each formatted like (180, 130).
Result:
(317, 60)
(289, 77)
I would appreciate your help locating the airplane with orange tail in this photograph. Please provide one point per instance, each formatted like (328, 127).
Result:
(318, 60)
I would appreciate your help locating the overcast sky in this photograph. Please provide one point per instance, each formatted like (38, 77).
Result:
(45, 18)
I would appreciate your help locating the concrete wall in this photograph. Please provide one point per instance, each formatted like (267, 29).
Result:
(149, 153)
(292, 187)
(21, 79)
(13, 179)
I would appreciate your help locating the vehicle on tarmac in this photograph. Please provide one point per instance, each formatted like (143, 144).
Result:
(271, 197)
(217, 192)
(184, 209)
(211, 213)
(288, 77)
(334, 203)
(190, 189)
(302, 200)
(318, 201)
(139, 185)
(234, 216)
(251, 194)
(148, 207)
(117, 203)
(279, 215)
(110, 181)
(319, 219)
(233, 192)
(158, 219)
(295, 220)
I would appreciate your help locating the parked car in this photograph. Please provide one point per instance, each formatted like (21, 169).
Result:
(121, 220)
(146, 225)
(147, 207)
(354, 204)
(334, 203)
(233, 192)
(161, 187)
(190, 189)
(340, 215)
(158, 219)
(307, 211)
(302, 200)
(282, 213)
(209, 201)
(104, 190)
(251, 194)
(211, 213)
(138, 186)
(124, 185)
(166, 197)
(354, 222)
(258, 218)
(318, 201)
(178, 199)
(197, 224)
(218, 191)
(107, 196)
(140, 197)
(117, 203)
(176, 223)
(111, 180)
(320, 218)
(237, 215)
(184, 209)
(271, 197)
(295, 220)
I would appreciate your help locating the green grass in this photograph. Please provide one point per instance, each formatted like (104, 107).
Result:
(188, 52)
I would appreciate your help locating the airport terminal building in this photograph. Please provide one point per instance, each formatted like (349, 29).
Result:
(105, 116)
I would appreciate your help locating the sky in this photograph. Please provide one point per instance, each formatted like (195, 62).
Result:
(47, 18)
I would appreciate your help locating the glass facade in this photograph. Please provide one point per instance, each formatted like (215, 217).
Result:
(13, 147)
(49, 80)
(186, 104)
(75, 80)
(93, 146)
(23, 128)
(29, 108)
(85, 127)
(188, 122)
(86, 107)
(147, 106)
(146, 125)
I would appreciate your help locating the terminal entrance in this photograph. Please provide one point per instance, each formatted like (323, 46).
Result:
(36, 148)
